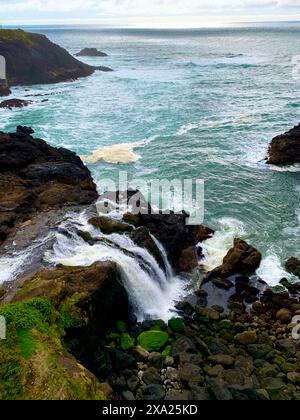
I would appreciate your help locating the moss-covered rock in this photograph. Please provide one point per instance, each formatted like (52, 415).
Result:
(176, 325)
(108, 225)
(34, 365)
(153, 340)
(86, 236)
(127, 342)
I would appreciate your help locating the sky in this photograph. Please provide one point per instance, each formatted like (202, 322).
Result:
(146, 13)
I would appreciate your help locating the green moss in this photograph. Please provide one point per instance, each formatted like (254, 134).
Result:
(121, 326)
(167, 352)
(153, 340)
(159, 324)
(127, 342)
(27, 343)
(177, 325)
(70, 315)
(7, 35)
(86, 236)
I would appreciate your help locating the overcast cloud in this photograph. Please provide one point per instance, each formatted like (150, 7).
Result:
(118, 11)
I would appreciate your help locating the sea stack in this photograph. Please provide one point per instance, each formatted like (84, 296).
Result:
(285, 149)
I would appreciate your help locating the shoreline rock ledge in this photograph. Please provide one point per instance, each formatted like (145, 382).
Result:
(285, 148)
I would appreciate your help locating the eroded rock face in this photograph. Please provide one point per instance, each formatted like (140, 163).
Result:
(35, 177)
(241, 259)
(285, 149)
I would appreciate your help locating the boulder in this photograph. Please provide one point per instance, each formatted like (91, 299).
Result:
(35, 177)
(241, 259)
(285, 149)
(108, 225)
(293, 266)
(4, 89)
(284, 316)
(246, 338)
(90, 52)
(14, 103)
(153, 340)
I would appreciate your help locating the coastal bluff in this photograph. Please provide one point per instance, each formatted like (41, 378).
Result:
(32, 58)
(35, 177)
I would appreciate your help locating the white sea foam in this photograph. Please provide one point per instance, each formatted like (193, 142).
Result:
(216, 248)
(271, 270)
(288, 168)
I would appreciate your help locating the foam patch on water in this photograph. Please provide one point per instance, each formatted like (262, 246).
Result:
(216, 247)
(271, 270)
(117, 153)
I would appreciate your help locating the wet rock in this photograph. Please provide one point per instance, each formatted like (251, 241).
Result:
(151, 376)
(128, 396)
(221, 359)
(285, 149)
(108, 225)
(191, 374)
(153, 393)
(155, 360)
(133, 383)
(287, 346)
(284, 316)
(178, 395)
(258, 351)
(14, 103)
(188, 260)
(294, 378)
(215, 371)
(247, 337)
(183, 345)
(216, 346)
(140, 354)
(241, 259)
(223, 283)
(35, 177)
(219, 389)
(90, 52)
(142, 237)
(243, 393)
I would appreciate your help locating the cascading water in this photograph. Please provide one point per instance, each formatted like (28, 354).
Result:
(151, 290)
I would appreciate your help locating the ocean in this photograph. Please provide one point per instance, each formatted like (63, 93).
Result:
(202, 104)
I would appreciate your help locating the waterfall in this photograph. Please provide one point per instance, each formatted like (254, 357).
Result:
(152, 291)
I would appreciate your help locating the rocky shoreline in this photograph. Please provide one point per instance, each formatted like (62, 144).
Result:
(72, 333)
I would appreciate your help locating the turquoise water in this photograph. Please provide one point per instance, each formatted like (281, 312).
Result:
(209, 101)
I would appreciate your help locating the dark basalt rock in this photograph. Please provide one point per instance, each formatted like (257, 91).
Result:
(285, 149)
(35, 177)
(33, 59)
(14, 103)
(91, 52)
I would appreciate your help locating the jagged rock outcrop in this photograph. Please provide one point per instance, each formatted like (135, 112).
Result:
(90, 52)
(35, 177)
(33, 59)
(285, 149)
(241, 259)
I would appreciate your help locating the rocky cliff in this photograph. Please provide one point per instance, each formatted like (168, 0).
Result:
(36, 177)
(33, 59)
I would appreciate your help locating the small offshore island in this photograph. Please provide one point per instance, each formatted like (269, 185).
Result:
(74, 332)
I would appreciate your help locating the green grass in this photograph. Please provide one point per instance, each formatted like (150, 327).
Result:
(7, 35)
(27, 343)
(35, 313)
